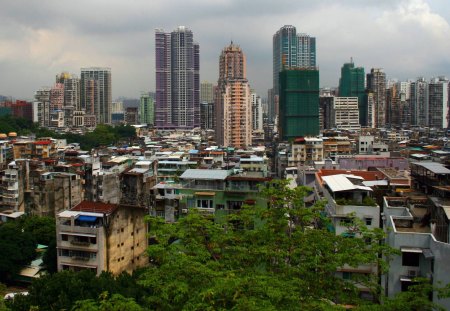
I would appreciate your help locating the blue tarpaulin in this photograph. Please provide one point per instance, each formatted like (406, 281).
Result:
(87, 218)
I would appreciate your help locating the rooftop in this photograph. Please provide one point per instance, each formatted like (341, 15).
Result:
(95, 207)
(205, 174)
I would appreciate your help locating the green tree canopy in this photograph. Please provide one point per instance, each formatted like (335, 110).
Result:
(276, 258)
(18, 248)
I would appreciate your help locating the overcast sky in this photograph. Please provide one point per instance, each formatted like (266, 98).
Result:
(38, 39)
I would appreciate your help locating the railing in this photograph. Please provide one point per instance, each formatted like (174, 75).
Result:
(80, 243)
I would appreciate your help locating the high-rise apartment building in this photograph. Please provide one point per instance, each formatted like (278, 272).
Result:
(346, 113)
(206, 92)
(257, 112)
(376, 83)
(177, 79)
(207, 119)
(290, 50)
(233, 100)
(438, 101)
(419, 102)
(72, 101)
(299, 103)
(95, 91)
(147, 109)
(41, 107)
(352, 84)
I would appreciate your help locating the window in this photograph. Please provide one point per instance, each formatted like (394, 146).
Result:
(410, 259)
(347, 275)
(204, 203)
(368, 221)
(64, 237)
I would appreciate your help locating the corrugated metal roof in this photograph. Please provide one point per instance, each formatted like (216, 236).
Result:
(434, 167)
(204, 174)
(341, 182)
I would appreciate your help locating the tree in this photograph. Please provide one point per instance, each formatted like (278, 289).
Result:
(276, 258)
(115, 303)
(61, 291)
(18, 248)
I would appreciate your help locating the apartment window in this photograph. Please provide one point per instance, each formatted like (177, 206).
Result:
(347, 275)
(64, 237)
(205, 203)
(410, 259)
(368, 221)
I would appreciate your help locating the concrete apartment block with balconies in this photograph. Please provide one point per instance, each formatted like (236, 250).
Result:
(101, 237)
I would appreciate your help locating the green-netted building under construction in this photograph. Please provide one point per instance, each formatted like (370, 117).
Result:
(298, 103)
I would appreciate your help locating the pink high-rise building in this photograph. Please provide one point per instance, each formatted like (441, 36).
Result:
(233, 100)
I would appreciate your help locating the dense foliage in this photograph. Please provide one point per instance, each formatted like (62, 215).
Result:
(62, 290)
(280, 258)
(18, 241)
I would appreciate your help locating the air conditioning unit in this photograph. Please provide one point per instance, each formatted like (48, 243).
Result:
(413, 273)
(184, 210)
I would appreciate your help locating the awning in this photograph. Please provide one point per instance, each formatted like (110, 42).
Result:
(205, 193)
(411, 250)
(87, 218)
(79, 234)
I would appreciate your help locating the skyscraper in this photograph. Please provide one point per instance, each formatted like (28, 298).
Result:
(376, 84)
(299, 103)
(177, 79)
(290, 50)
(351, 84)
(95, 85)
(233, 101)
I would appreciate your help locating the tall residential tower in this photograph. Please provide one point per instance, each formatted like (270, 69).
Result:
(233, 100)
(177, 79)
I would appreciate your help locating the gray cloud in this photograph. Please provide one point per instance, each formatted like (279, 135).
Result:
(38, 39)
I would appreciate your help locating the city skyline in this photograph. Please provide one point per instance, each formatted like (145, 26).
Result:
(41, 39)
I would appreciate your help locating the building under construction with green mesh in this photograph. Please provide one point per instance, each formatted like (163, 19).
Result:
(298, 103)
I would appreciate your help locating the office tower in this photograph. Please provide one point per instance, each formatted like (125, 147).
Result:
(299, 103)
(147, 109)
(351, 84)
(96, 93)
(376, 83)
(177, 79)
(206, 92)
(257, 112)
(233, 102)
(290, 50)
(207, 116)
(438, 101)
(346, 113)
(419, 102)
